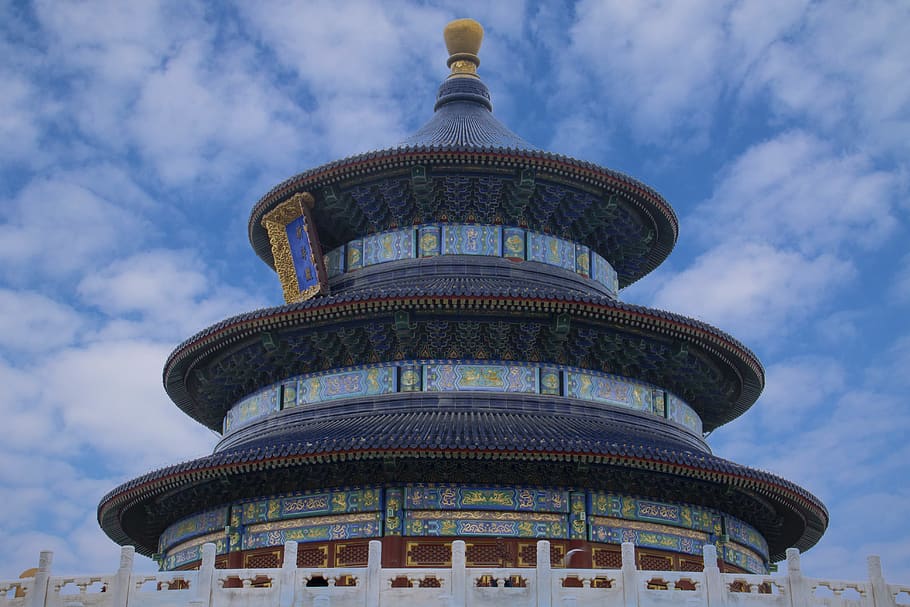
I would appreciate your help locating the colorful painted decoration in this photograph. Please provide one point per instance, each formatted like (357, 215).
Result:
(253, 407)
(389, 246)
(551, 250)
(295, 248)
(471, 240)
(459, 376)
(349, 384)
(448, 510)
(431, 240)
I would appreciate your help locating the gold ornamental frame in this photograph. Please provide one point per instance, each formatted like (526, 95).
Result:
(276, 224)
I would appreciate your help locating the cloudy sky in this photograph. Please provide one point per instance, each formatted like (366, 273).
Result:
(135, 137)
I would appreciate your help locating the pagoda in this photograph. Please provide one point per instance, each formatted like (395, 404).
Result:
(453, 362)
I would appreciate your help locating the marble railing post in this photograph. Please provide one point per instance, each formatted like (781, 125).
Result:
(714, 583)
(629, 575)
(374, 570)
(288, 575)
(38, 595)
(206, 577)
(121, 585)
(800, 594)
(459, 574)
(881, 596)
(543, 582)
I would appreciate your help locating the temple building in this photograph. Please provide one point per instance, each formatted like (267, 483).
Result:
(453, 362)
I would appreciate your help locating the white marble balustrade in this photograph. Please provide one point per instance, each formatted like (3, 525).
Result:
(456, 586)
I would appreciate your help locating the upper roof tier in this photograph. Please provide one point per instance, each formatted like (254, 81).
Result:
(465, 166)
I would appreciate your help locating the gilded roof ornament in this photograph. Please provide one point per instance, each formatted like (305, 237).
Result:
(463, 39)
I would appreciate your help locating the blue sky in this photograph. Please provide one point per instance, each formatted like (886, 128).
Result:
(135, 137)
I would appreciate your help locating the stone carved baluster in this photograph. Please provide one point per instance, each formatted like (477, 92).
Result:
(714, 582)
(543, 583)
(288, 575)
(881, 596)
(206, 577)
(374, 569)
(629, 575)
(38, 596)
(459, 573)
(800, 593)
(121, 582)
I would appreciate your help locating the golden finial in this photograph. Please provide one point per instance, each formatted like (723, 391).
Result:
(463, 38)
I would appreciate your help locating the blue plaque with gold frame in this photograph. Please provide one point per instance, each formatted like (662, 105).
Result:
(295, 248)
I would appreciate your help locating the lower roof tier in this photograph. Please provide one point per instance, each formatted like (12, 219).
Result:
(426, 517)
(477, 444)
(464, 317)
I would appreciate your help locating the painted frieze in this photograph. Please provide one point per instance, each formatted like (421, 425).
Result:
(350, 384)
(389, 246)
(513, 244)
(551, 250)
(471, 240)
(744, 559)
(485, 524)
(456, 377)
(313, 529)
(583, 260)
(457, 497)
(550, 382)
(192, 551)
(609, 389)
(253, 407)
(312, 504)
(353, 255)
(394, 511)
(617, 532)
(193, 526)
(681, 413)
(603, 272)
(334, 262)
(634, 509)
(429, 242)
(744, 534)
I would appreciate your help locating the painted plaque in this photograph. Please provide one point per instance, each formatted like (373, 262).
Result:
(295, 248)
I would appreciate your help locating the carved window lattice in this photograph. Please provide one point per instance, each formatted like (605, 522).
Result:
(429, 582)
(312, 557)
(221, 562)
(483, 554)
(351, 555)
(690, 565)
(262, 560)
(427, 554)
(607, 559)
(653, 562)
(527, 555)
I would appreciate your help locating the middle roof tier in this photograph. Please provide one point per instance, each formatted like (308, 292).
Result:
(469, 318)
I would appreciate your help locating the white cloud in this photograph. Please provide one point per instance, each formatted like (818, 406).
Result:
(798, 388)
(19, 128)
(846, 72)
(196, 118)
(750, 289)
(56, 227)
(161, 293)
(31, 322)
(108, 396)
(797, 191)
